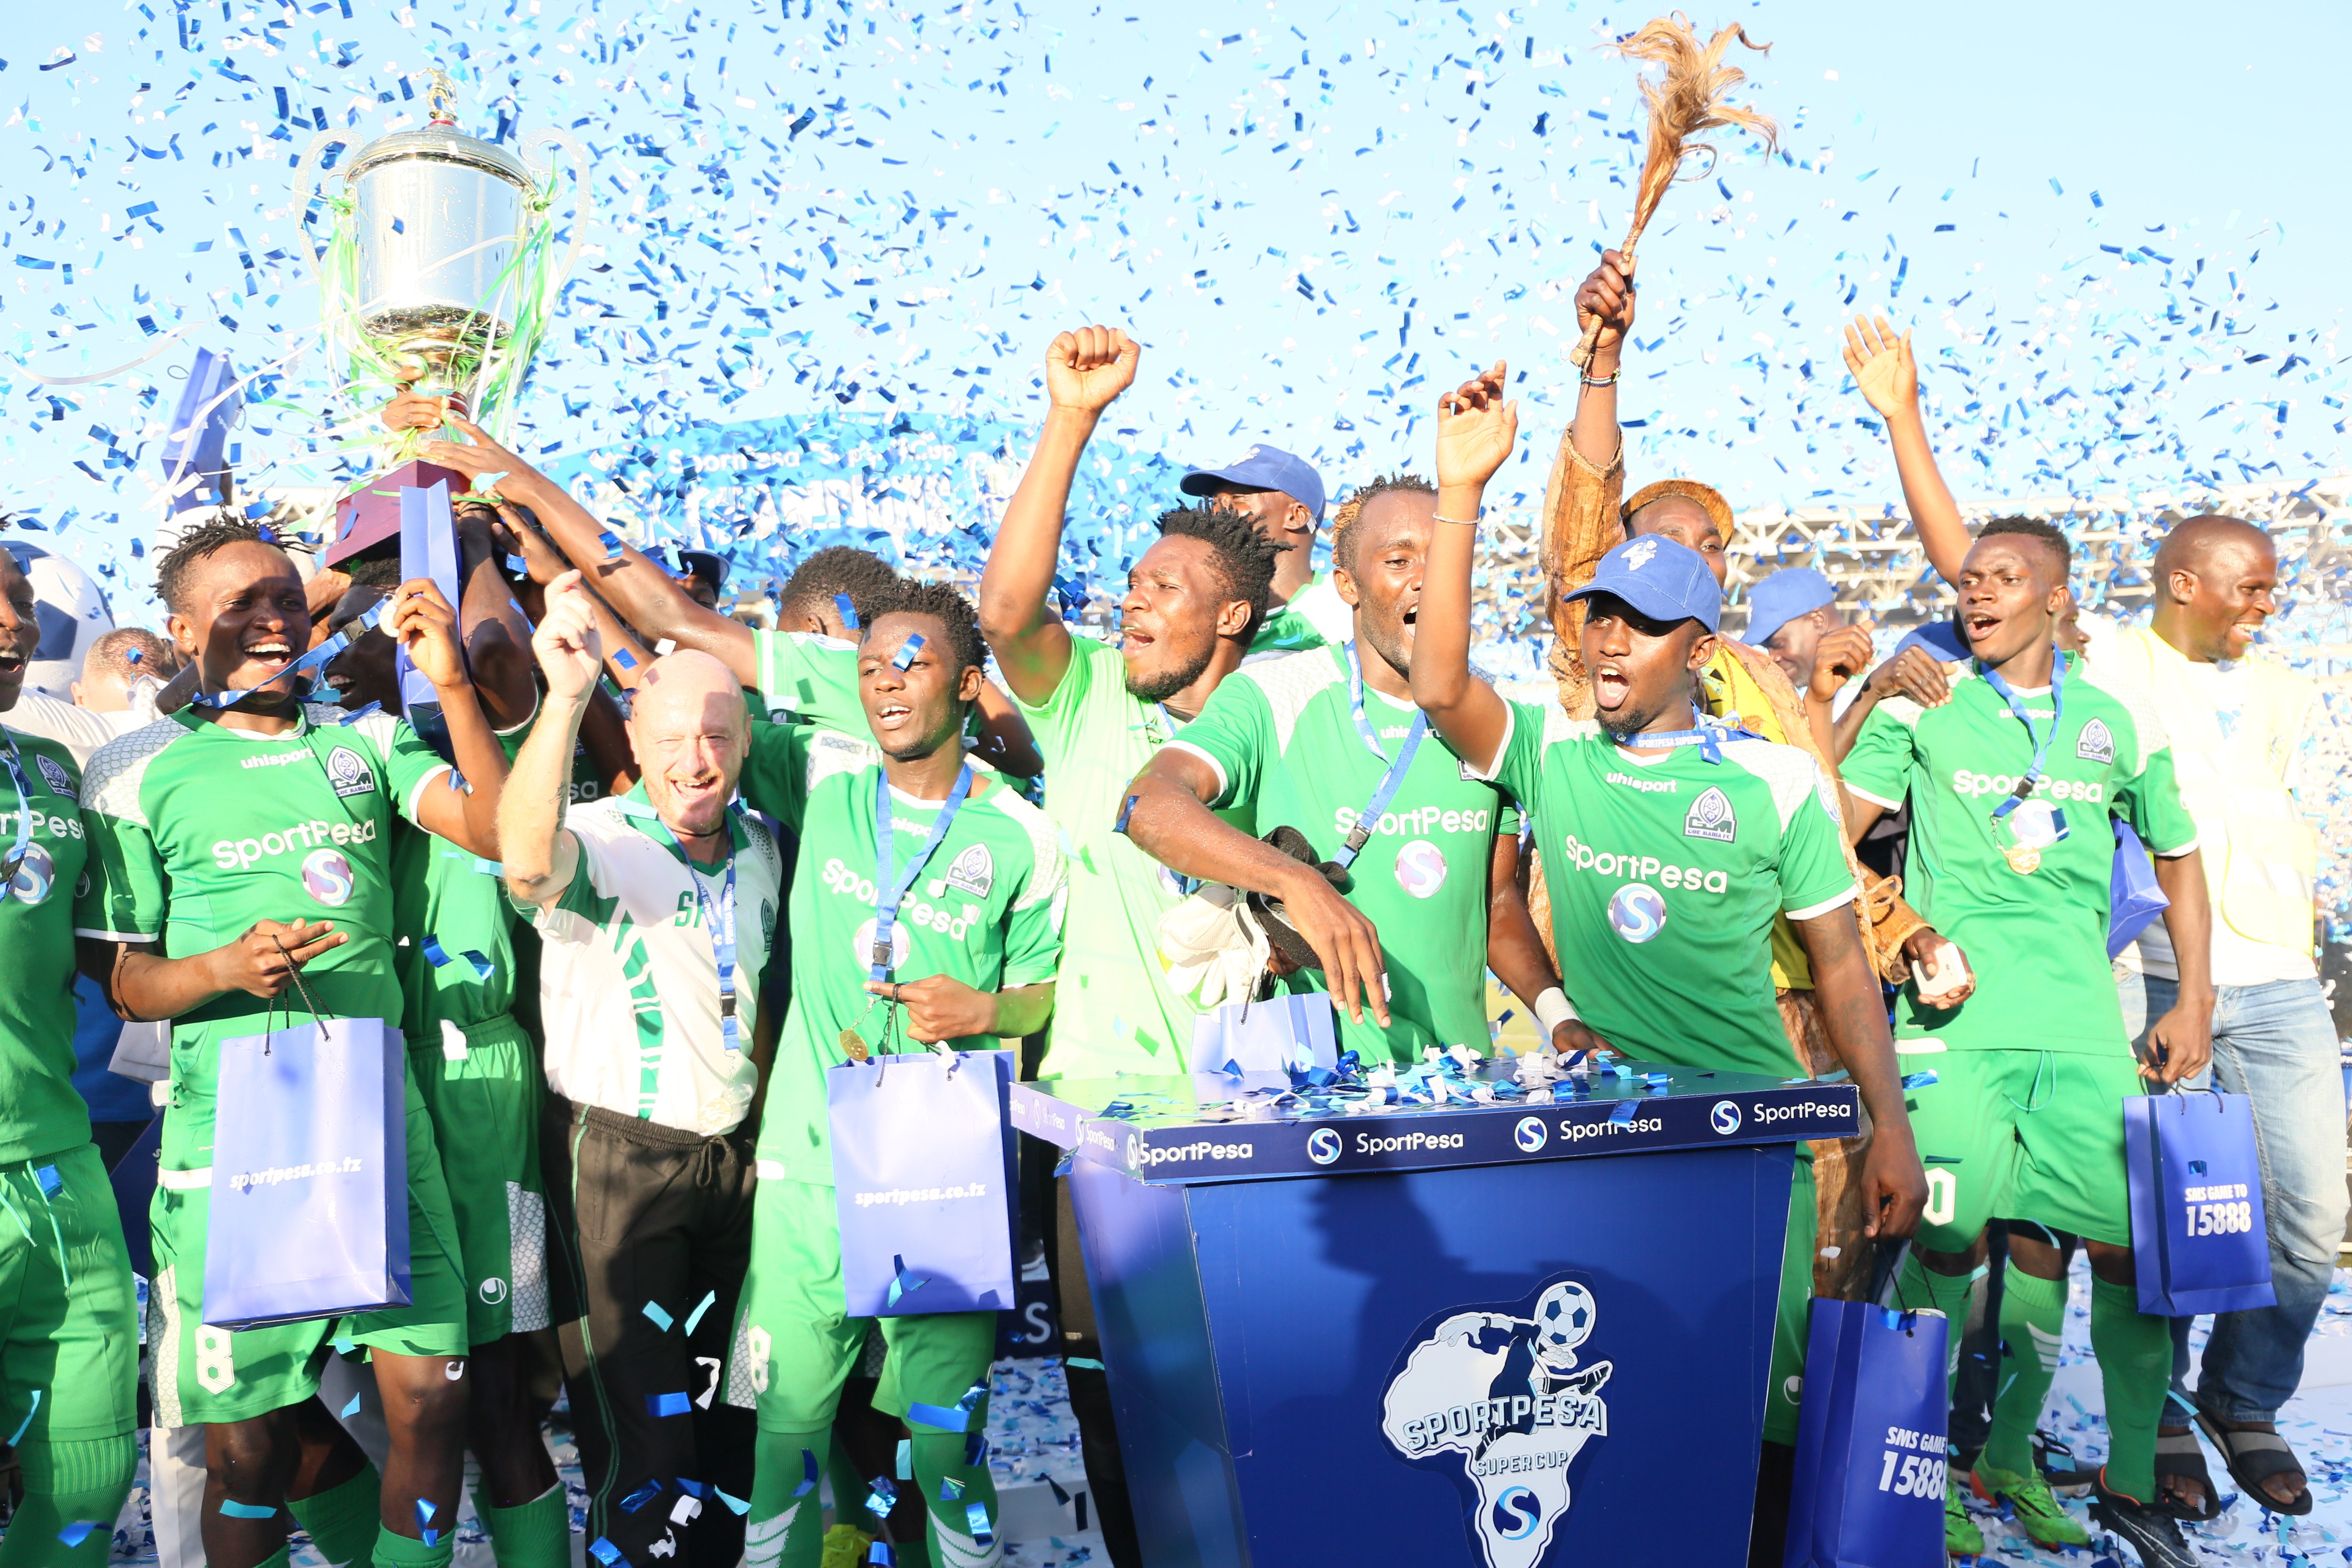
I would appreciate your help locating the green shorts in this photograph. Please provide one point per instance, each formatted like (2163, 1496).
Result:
(1793, 1322)
(202, 1374)
(794, 1343)
(69, 1312)
(2035, 1135)
(485, 1109)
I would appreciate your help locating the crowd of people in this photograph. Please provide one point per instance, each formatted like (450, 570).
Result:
(611, 886)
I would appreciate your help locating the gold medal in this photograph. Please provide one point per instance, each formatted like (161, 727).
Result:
(2023, 858)
(853, 1045)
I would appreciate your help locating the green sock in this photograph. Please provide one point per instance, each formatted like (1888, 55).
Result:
(955, 1543)
(393, 1549)
(784, 1531)
(342, 1521)
(1947, 1293)
(536, 1534)
(2033, 1325)
(68, 1486)
(2135, 1354)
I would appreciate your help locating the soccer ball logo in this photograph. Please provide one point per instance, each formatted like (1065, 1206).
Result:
(1563, 1320)
(1637, 911)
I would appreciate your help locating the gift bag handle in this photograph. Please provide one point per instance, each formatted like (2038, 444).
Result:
(269, 1014)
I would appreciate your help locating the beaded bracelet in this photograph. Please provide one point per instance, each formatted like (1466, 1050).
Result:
(1609, 380)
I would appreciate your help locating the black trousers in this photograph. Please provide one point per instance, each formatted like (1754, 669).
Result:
(643, 1215)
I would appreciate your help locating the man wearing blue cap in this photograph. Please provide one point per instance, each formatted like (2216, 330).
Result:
(1283, 496)
(1673, 845)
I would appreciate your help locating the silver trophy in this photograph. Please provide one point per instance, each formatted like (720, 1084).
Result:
(439, 273)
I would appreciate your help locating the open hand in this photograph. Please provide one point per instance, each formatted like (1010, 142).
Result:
(419, 411)
(566, 642)
(1476, 429)
(1882, 365)
(1913, 673)
(940, 1008)
(1085, 370)
(1606, 295)
(262, 961)
(1344, 940)
(484, 457)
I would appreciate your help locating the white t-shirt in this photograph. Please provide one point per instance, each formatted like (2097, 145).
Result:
(77, 729)
(628, 979)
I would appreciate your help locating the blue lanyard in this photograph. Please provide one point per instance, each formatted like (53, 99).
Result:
(316, 658)
(1707, 738)
(2041, 743)
(24, 813)
(1390, 781)
(891, 885)
(720, 923)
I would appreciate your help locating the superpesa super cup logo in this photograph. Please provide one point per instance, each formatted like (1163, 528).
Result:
(1501, 1397)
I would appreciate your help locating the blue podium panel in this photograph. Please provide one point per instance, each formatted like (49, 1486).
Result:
(1459, 1338)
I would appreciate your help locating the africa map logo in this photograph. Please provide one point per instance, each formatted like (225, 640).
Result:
(1501, 1400)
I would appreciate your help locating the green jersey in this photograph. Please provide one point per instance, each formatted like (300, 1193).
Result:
(197, 831)
(811, 676)
(39, 1111)
(456, 902)
(1282, 735)
(2037, 939)
(985, 910)
(1115, 1010)
(1665, 875)
(1316, 616)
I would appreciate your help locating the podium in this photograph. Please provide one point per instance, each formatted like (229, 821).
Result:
(1497, 1334)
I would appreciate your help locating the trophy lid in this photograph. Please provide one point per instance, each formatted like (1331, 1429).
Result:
(440, 141)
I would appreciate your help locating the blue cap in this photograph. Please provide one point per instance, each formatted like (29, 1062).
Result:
(1664, 580)
(1263, 469)
(1939, 638)
(1782, 599)
(702, 563)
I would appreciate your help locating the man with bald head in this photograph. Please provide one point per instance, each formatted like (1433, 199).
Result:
(2244, 739)
(655, 910)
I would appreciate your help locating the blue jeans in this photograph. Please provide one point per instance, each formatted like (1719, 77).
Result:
(2275, 1044)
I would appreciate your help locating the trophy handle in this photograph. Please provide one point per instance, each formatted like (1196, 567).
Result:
(319, 143)
(564, 140)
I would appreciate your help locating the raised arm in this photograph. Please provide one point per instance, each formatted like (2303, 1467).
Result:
(641, 592)
(1889, 378)
(1894, 1185)
(1476, 429)
(1085, 370)
(540, 858)
(496, 631)
(1168, 818)
(1607, 297)
(423, 623)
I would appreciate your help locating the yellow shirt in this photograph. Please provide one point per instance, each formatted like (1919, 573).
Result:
(1728, 691)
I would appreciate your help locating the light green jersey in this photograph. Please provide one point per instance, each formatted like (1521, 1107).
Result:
(2037, 940)
(197, 831)
(1281, 734)
(813, 676)
(1316, 616)
(455, 901)
(1115, 1010)
(1665, 875)
(39, 1111)
(986, 909)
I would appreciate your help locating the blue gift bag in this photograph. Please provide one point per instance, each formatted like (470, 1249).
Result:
(922, 1180)
(2199, 1240)
(310, 1195)
(2133, 899)
(1281, 1034)
(1871, 1458)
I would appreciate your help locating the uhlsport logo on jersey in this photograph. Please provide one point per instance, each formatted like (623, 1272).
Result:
(36, 874)
(1421, 869)
(2097, 744)
(1637, 911)
(1711, 817)
(1725, 1117)
(1497, 1397)
(493, 1291)
(348, 773)
(326, 877)
(1323, 1145)
(59, 781)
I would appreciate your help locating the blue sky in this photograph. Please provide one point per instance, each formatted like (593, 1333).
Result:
(1316, 216)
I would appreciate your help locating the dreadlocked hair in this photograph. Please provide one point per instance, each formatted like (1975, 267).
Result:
(201, 543)
(1343, 536)
(2035, 528)
(865, 576)
(942, 603)
(1245, 556)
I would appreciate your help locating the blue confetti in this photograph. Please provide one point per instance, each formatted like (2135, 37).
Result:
(667, 1404)
(74, 1534)
(236, 1510)
(710, 1299)
(661, 1318)
(905, 657)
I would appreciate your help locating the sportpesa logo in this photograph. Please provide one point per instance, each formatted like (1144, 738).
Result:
(299, 839)
(1421, 869)
(36, 876)
(1968, 786)
(1724, 1118)
(1531, 1135)
(326, 877)
(1323, 1145)
(1637, 912)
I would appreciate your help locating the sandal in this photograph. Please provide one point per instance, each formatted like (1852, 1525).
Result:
(2180, 1455)
(2255, 1458)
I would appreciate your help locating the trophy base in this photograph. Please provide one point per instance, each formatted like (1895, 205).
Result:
(370, 515)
